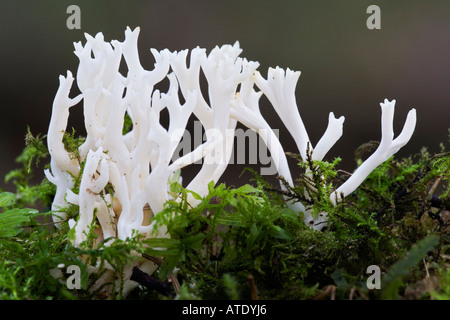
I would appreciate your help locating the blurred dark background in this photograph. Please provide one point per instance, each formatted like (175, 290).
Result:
(346, 68)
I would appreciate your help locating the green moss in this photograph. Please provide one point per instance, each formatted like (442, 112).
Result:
(244, 241)
(28, 193)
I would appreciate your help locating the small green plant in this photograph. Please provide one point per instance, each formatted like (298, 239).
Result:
(392, 281)
(12, 219)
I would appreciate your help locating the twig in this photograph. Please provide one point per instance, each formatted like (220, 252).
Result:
(426, 268)
(346, 172)
(156, 260)
(172, 278)
(253, 289)
(352, 292)
(327, 290)
(150, 282)
(434, 186)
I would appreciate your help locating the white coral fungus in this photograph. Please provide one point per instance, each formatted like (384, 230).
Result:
(137, 165)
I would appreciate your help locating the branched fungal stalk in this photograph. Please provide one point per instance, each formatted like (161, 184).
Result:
(125, 178)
